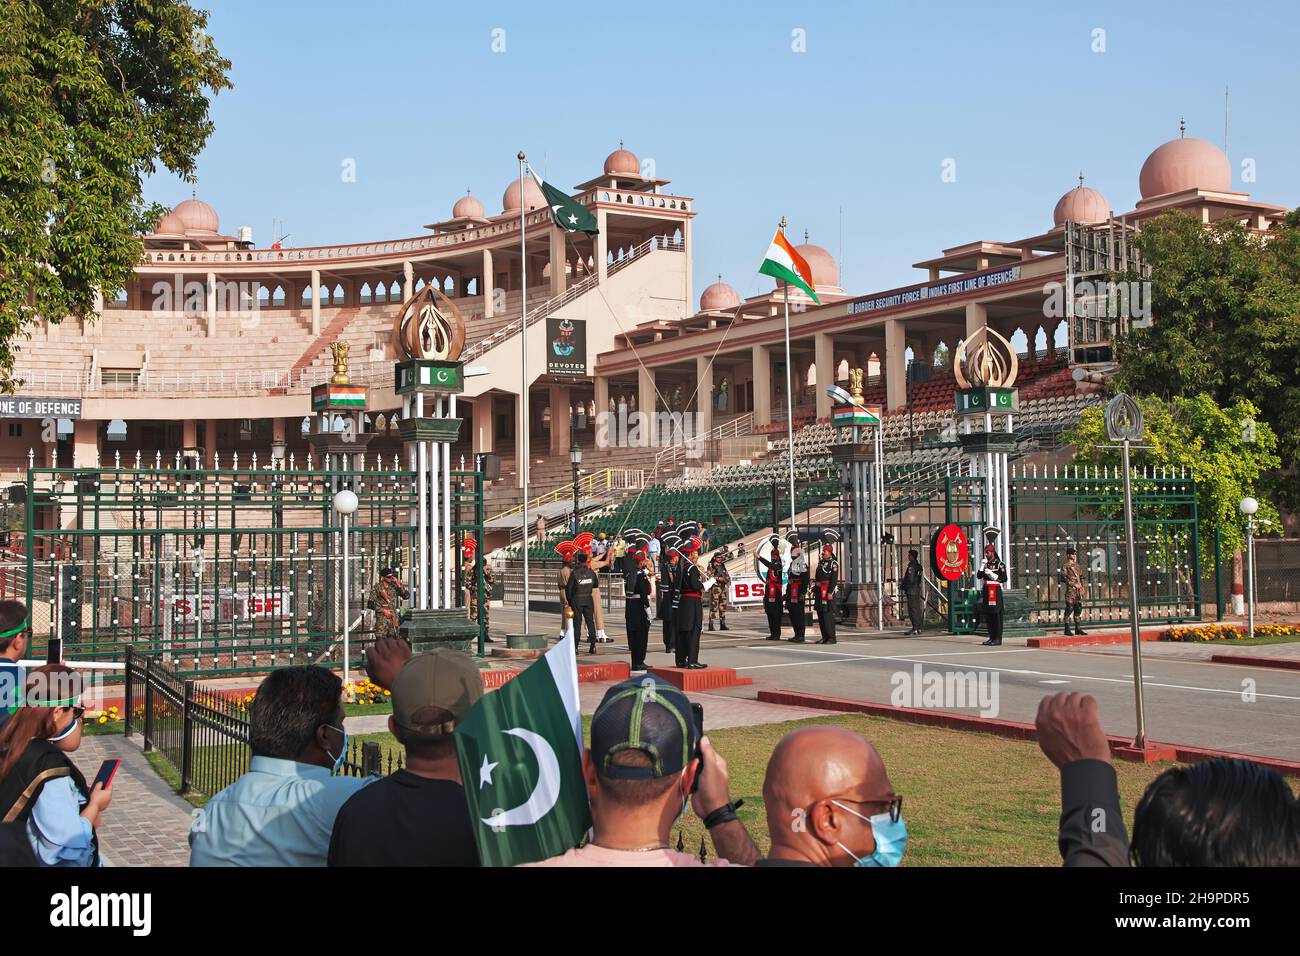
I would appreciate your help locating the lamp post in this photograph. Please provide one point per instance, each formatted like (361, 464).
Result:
(345, 503)
(575, 458)
(1248, 507)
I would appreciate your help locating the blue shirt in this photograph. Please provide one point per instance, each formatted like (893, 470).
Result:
(58, 833)
(279, 813)
(11, 681)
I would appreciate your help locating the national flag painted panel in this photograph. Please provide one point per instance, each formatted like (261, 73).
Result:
(520, 754)
(330, 395)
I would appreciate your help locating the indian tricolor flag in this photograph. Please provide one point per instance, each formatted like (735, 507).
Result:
(785, 265)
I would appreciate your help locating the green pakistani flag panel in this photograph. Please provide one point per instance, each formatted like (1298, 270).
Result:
(520, 753)
(569, 214)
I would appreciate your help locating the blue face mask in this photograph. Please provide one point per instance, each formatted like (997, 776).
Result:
(343, 751)
(890, 836)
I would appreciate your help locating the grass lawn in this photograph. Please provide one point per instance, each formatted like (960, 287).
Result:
(361, 710)
(969, 799)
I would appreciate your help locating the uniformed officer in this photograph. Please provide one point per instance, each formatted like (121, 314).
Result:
(992, 575)
(636, 597)
(384, 597)
(565, 549)
(913, 585)
(796, 591)
(720, 591)
(771, 573)
(1071, 581)
(828, 576)
(690, 608)
(669, 566)
(582, 583)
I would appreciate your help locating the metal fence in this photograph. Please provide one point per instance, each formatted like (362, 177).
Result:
(1277, 569)
(203, 732)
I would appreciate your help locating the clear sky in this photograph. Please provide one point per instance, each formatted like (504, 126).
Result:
(848, 138)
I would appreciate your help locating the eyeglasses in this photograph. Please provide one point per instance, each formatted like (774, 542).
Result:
(894, 802)
(78, 711)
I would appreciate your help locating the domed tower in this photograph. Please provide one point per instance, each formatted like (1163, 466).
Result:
(622, 163)
(533, 198)
(1081, 204)
(468, 207)
(719, 297)
(197, 218)
(1184, 164)
(825, 270)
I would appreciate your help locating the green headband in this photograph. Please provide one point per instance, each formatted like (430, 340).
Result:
(15, 630)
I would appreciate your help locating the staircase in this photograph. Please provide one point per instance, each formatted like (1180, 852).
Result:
(320, 343)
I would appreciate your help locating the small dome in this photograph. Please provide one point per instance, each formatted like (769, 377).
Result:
(532, 195)
(197, 217)
(1183, 164)
(621, 162)
(719, 296)
(468, 207)
(169, 224)
(825, 270)
(1081, 204)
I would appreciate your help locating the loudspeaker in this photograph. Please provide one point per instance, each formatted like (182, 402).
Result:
(490, 466)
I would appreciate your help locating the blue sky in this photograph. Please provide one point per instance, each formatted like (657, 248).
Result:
(847, 139)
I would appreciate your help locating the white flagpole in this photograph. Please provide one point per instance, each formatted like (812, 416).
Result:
(523, 351)
(789, 392)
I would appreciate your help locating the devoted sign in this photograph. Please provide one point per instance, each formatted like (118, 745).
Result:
(949, 552)
(19, 406)
(566, 347)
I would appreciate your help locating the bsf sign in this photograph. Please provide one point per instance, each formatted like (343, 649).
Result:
(745, 591)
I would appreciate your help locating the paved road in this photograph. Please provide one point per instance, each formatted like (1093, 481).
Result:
(1188, 701)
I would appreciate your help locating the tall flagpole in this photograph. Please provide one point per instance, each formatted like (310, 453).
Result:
(789, 392)
(523, 350)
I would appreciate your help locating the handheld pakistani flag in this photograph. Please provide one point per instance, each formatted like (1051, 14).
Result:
(569, 214)
(784, 264)
(520, 754)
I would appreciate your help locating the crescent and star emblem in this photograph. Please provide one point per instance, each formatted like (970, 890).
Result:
(545, 793)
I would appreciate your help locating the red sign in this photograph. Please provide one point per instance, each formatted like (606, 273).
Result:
(949, 552)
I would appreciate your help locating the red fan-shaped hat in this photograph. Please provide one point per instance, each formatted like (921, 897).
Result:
(565, 549)
(469, 545)
(584, 540)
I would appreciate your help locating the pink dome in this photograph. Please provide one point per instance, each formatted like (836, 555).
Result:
(196, 216)
(825, 270)
(719, 296)
(532, 195)
(468, 207)
(1183, 164)
(1081, 204)
(621, 162)
(169, 224)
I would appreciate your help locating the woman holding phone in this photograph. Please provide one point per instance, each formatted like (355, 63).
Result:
(40, 787)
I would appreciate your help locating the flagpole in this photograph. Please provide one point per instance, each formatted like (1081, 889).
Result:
(789, 392)
(523, 392)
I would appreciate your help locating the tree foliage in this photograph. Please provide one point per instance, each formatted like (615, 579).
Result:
(94, 94)
(1225, 305)
(1219, 447)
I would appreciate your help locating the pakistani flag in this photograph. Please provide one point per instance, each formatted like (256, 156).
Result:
(784, 264)
(569, 214)
(520, 753)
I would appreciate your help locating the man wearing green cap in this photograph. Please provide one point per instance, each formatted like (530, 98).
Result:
(14, 629)
(417, 816)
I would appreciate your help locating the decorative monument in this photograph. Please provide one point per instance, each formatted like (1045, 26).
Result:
(859, 450)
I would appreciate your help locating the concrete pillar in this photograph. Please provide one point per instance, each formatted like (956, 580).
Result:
(279, 429)
(895, 365)
(602, 246)
(486, 283)
(482, 440)
(85, 443)
(762, 385)
(560, 397)
(645, 403)
(212, 303)
(210, 439)
(704, 395)
(977, 315)
(601, 383)
(189, 433)
(557, 262)
(824, 357)
(690, 281)
(408, 280)
(315, 302)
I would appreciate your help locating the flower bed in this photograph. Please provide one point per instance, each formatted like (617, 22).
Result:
(365, 691)
(1228, 632)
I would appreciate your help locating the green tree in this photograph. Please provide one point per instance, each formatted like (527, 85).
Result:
(93, 95)
(1216, 446)
(1225, 306)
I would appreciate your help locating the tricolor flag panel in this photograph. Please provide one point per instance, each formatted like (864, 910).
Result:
(520, 754)
(784, 264)
(330, 395)
(854, 416)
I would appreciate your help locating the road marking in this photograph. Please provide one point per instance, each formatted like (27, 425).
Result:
(1053, 682)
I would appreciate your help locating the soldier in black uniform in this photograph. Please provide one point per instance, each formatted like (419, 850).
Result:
(796, 591)
(668, 570)
(992, 576)
(578, 592)
(636, 596)
(828, 576)
(771, 574)
(689, 609)
(912, 585)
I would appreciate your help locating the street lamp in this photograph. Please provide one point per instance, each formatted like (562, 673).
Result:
(575, 457)
(345, 503)
(1248, 507)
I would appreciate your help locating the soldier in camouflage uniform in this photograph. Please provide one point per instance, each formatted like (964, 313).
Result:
(385, 598)
(720, 591)
(469, 576)
(1070, 578)
(318, 615)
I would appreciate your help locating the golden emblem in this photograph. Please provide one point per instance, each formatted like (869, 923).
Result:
(340, 350)
(855, 386)
(985, 360)
(429, 326)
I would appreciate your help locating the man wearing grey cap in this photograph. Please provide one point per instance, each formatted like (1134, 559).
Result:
(417, 816)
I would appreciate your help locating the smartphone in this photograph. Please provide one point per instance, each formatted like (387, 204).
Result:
(697, 711)
(107, 770)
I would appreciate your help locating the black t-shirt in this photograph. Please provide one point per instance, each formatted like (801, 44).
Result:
(404, 820)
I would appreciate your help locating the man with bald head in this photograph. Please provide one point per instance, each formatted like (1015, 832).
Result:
(830, 802)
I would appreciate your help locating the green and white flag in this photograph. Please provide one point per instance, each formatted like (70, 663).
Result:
(520, 753)
(569, 214)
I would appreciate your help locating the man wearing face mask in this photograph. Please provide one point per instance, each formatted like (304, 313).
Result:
(281, 812)
(643, 760)
(830, 802)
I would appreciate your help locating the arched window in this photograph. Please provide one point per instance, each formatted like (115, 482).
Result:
(364, 298)
(1019, 341)
(278, 297)
(842, 371)
(337, 296)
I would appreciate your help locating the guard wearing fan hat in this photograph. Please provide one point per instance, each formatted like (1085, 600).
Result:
(770, 571)
(992, 575)
(828, 576)
(796, 588)
(690, 607)
(565, 550)
(469, 576)
(580, 591)
(637, 575)
(669, 569)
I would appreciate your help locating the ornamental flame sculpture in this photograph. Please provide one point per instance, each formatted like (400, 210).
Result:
(985, 360)
(429, 326)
